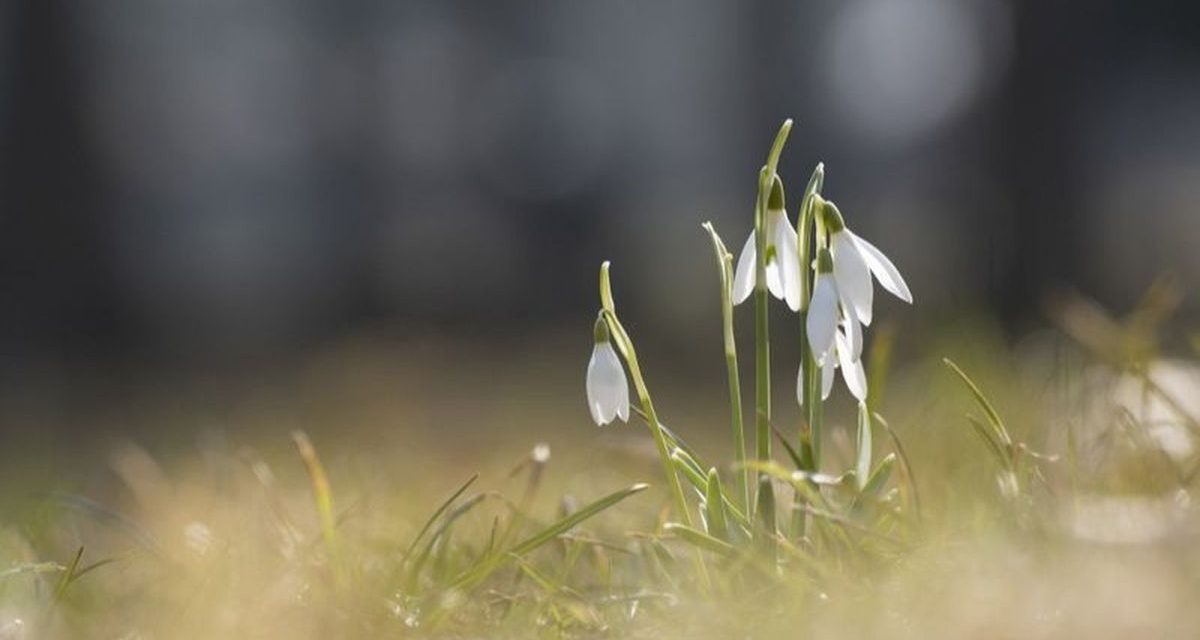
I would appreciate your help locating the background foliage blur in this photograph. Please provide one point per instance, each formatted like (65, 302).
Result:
(222, 183)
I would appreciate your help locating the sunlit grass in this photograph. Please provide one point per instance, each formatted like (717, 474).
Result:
(219, 540)
(978, 489)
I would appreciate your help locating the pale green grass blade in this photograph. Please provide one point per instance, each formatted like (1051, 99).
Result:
(898, 446)
(880, 475)
(569, 522)
(440, 510)
(989, 411)
(791, 452)
(986, 435)
(714, 502)
(690, 470)
(322, 493)
(60, 589)
(700, 540)
(862, 466)
(444, 529)
(486, 567)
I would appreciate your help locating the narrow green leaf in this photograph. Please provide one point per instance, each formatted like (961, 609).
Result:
(880, 475)
(690, 470)
(862, 466)
(569, 522)
(989, 411)
(714, 501)
(414, 570)
(68, 575)
(486, 567)
(988, 439)
(700, 539)
(436, 514)
(92, 567)
(322, 494)
(791, 452)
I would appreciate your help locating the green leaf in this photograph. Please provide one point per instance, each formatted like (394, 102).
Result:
(714, 503)
(60, 589)
(791, 452)
(880, 475)
(988, 439)
(414, 571)
(690, 469)
(989, 411)
(436, 514)
(862, 466)
(486, 567)
(700, 539)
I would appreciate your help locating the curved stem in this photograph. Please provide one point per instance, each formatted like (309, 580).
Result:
(643, 393)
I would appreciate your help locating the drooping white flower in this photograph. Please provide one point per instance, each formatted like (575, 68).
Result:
(834, 334)
(844, 355)
(783, 259)
(824, 307)
(607, 387)
(854, 262)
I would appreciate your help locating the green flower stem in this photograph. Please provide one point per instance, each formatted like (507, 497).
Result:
(762, 347)
(625, 345)
(810, 427)
(725, 268)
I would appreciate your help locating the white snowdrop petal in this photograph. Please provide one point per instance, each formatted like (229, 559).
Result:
(743, 275)
(607, 387)
(597, 415)
(827, 371)
(822, 319)
(800, 385)
(789, 263)
(775, 279)
(852, 371)
(885, 272)
(852, 330)
(852, 274)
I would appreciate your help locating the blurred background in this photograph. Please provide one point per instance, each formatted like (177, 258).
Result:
(216, 188)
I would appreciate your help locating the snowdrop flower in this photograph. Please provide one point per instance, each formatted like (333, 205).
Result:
(834, 334)
(854, 262)
(607, 387)
(824, 309)
(845, 354)
(783, 259)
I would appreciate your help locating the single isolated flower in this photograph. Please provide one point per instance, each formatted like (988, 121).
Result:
(607, 387)
(854, 262)
(783, 258)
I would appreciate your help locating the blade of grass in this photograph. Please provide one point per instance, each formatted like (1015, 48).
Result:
(989, 411)
(413, 575)
(714, 501)
(908, 474)
(984, 434)
(60, 588)
(322, 494)
(700, 540)
(862, 467)
(486, 567)
(436, 514)
(880, 475)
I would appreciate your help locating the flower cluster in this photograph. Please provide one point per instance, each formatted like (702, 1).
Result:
(843, 273)
(841, 302)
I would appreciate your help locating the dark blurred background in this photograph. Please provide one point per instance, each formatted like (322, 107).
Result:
(223, 183)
